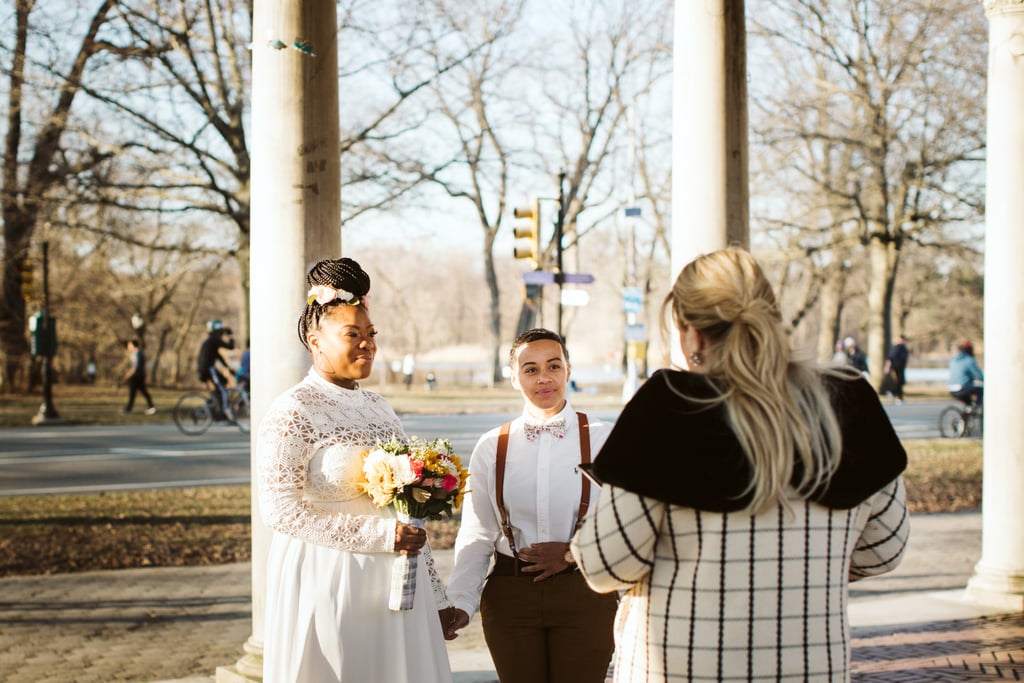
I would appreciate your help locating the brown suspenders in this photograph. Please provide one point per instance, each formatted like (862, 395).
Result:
(499, 480)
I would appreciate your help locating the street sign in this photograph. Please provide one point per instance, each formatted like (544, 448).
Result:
(632, 300)
(637, 332)
(632, 211)
(575, 297)
(538, 277)
(578, 278)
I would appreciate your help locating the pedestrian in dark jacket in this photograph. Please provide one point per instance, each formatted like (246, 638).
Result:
(136, 377)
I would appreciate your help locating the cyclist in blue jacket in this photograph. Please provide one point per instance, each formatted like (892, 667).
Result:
(965, 377)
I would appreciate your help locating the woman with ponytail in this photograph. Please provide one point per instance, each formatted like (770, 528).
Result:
(740, 496)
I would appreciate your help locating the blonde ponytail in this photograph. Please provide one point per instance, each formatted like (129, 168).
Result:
(776, 405)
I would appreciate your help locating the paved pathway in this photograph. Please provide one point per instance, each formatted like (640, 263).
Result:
(144, 625)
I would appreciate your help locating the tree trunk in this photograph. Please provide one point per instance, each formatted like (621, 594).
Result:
(495, 317)
(881, 256)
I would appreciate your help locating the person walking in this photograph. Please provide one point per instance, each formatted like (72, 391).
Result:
(408, 369)
(741, 496)
(329, 569)
(135, 376)
(895, 369)
(854, 356)
(527, 496)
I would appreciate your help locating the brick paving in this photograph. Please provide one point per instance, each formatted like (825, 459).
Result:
(145, 625)
(981, 649)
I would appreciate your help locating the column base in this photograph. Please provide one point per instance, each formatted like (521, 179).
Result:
(996, 587)
(248, 669)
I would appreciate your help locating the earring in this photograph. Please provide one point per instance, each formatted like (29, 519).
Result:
(318, 363)
(695, 359)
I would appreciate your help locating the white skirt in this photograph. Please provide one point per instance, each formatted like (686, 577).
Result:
(327, 616)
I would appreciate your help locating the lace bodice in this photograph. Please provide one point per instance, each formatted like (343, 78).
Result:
(310, 450)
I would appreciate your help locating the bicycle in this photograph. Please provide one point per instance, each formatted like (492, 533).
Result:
(964, 419)
(196, 411)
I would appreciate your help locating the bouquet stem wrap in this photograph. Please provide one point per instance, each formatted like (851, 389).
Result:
(403, 573)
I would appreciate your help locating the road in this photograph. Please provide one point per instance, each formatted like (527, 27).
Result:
(76, 459)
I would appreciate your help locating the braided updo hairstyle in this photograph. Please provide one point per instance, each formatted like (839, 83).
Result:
(344, 274)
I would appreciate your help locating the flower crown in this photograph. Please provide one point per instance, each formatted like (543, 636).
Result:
(322, 294)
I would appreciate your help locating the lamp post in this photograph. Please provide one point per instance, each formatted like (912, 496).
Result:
(46, 344)
(559, 228)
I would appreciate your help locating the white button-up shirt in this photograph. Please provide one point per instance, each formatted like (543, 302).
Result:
(542, 496)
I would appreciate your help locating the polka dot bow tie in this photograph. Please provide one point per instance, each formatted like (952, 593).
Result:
(556, 428)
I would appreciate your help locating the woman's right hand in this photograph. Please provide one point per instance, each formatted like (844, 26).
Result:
(409, 539)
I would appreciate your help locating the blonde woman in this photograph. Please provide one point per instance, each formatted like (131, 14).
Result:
(741, 496)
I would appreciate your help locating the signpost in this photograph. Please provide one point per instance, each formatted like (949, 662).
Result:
(547, 277)
(539, 277)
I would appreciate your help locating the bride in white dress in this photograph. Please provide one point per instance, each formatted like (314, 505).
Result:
(329, 568)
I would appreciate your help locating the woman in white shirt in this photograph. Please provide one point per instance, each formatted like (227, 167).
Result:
(541, 621)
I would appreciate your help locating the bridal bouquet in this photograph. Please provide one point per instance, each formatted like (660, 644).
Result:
(421, 480)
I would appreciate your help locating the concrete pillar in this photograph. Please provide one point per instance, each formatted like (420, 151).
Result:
(709, 129)
(999, 574)
(710, 196)
(296, 221)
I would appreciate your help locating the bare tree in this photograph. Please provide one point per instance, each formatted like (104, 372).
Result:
(186, 115)
(475, 116)
(45, 84)
(874, 127)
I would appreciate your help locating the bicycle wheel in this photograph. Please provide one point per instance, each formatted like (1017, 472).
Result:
(975, 424)
(192, 414)
(952, 423)
(238, 401)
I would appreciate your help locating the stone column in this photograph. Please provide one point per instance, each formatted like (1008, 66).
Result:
(710, 196)
(999, 575)
(296, 221)
(709, 129)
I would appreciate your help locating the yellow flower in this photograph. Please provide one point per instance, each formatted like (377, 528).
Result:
(380, 478)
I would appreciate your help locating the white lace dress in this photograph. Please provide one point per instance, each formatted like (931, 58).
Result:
(329, 569)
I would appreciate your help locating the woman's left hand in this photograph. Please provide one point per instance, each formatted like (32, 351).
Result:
(547, 559)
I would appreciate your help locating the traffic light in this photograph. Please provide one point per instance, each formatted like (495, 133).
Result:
(528, 233)
(26, 279)
(42, 335)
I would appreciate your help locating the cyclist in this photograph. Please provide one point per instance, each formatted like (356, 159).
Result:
(219, 337)
(242, 373)
(965, 377)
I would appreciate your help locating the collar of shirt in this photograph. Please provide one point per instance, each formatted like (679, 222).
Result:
(567, 413)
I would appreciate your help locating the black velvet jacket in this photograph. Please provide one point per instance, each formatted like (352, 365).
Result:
(681, 452)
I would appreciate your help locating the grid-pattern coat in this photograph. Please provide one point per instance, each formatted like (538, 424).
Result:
(728, 596)
(714, 593)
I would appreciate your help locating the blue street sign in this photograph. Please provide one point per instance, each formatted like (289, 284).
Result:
(538, 277)
(578, 278)
(632, 300)
(632, 211)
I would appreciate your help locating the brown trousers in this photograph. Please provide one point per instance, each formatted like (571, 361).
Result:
(552, 631)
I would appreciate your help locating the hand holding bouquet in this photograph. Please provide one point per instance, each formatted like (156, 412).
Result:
(421, 480)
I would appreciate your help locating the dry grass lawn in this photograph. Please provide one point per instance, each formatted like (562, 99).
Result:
(54, 534)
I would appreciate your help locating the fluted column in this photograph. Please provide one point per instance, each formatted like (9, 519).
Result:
(999, 574)
(296, 220)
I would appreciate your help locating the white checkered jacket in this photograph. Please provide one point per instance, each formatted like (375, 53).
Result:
(727, 596)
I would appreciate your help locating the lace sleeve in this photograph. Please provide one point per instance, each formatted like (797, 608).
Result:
(440, 595)
(284, 449)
